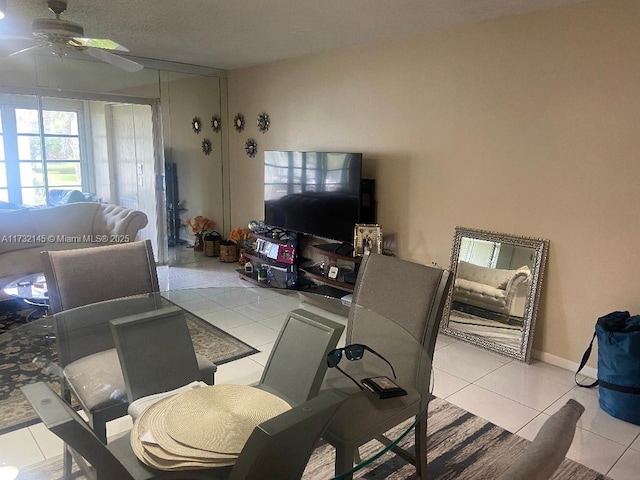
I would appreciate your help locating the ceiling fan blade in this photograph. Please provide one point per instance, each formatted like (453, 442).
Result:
(25, 50)
(115, 60)
(103, 43)
(15, 37)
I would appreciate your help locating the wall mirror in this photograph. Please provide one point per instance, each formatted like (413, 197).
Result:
(494, 295)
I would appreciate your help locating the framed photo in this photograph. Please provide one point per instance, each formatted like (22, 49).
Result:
(286, 254)
(367, 238)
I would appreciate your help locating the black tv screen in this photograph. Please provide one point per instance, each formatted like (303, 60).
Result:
(317, 193)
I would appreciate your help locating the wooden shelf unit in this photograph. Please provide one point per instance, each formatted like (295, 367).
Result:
(258, 259)
(331, 258)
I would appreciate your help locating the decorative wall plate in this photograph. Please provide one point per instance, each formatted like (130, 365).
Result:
(206, 146)
(215, 123)
(251, 147)
(238, 122)
(263, 122)
(196, 124)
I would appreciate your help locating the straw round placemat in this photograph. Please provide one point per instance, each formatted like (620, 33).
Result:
(164, 452)
(219, 418)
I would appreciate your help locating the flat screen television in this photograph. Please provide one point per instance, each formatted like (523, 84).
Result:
(317, 193)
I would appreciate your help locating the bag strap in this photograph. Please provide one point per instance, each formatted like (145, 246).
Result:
(583, 362)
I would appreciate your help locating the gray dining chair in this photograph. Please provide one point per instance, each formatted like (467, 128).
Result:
(297, 364)
(90, 364)
(294, 370)
(89, 275)
(80, 283)
(278, 448)
(155, 351)
(391, 292)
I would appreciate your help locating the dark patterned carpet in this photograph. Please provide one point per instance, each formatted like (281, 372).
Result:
(20, 358)
(460, 446)
(15, 313)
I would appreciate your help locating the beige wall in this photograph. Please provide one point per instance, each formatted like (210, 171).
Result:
(525, 125)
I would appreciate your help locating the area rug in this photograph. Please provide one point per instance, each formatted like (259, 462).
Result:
(15, 313)
(460, 446)
(16, 353)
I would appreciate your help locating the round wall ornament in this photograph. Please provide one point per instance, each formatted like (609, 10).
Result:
(238, 122)
(263, 122)
(215, 123)
(206, 146)
(196, 124)
(251, 147)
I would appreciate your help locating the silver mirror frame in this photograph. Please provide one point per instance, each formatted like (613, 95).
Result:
(541, 246)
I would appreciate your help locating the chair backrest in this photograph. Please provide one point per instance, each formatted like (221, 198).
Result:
(278, 448)
(61, 419)
(155, 351)
(88, 275)
(297, 364)
(85, 330)
(405, 293)
(543, 457)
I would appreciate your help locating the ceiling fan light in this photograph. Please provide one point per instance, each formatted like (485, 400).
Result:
(3, 8)
(59, 48)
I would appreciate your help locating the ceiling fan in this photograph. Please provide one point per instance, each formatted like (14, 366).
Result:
(63, 36)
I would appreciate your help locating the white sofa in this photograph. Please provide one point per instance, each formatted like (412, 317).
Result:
(492, 289)
(26, 232)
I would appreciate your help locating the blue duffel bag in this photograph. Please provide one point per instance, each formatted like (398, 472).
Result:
(618, 365)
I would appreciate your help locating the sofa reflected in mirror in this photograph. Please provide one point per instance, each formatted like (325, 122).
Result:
(25, 232)
(495, 292)
(490, 290)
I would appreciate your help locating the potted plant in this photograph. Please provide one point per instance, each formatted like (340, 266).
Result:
(199, 227)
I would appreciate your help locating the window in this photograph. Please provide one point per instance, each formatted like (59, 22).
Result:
(479, 252)
(41, 148)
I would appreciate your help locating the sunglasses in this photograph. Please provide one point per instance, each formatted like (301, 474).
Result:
(352, 353)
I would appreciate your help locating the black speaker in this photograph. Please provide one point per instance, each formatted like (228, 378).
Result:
(367, 200)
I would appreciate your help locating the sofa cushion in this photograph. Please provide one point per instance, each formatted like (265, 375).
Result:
(18, 231)
(101, 379)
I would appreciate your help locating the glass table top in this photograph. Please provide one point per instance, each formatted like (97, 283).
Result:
(390, 352)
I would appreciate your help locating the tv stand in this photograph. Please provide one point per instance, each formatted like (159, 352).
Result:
(284, 274)
(344, 281)
(342, 249)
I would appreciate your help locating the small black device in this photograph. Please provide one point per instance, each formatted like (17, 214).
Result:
(350, 278)
(344, 249)
(383, 387)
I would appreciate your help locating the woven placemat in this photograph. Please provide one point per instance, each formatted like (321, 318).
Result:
(219, 418)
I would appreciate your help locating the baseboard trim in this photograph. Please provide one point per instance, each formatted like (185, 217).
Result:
(564, 363)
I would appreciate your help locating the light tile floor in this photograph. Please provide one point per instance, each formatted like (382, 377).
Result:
(513, 395)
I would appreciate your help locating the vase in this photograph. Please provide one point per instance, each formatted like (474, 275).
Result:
(198, 245)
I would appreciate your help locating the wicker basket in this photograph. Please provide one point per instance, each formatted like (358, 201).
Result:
(228, 252)
(212, 244)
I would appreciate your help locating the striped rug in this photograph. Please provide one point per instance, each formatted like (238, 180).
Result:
(460, 446)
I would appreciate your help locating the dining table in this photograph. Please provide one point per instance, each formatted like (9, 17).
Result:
(355, 373)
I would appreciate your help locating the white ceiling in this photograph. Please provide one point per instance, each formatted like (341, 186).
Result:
(231, 34)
